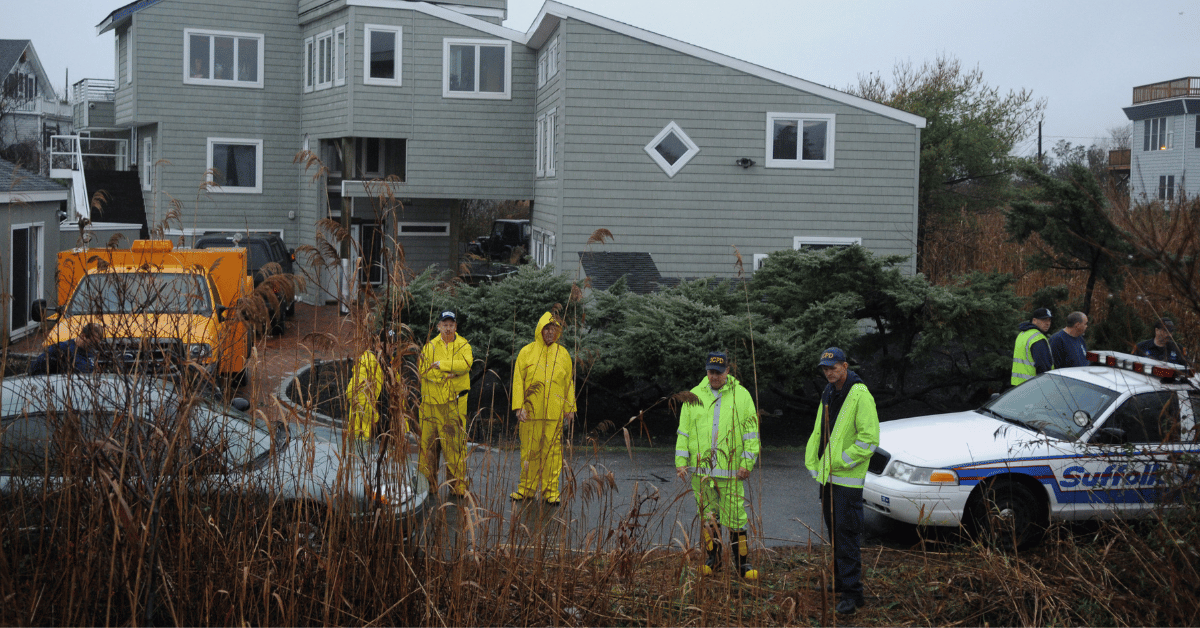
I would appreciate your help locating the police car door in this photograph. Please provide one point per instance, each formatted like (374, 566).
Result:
(1134, 453)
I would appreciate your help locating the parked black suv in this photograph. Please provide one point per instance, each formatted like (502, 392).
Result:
(262, 248)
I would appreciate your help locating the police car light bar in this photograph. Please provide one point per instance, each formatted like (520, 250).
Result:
(1144, 366)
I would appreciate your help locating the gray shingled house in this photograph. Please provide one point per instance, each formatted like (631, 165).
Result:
(29, 207)
(681, 152)
(1165, 140)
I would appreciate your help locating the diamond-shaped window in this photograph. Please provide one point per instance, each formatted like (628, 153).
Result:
(672, 149)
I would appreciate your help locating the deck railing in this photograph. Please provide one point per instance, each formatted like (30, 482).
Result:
(92, 90)
(1119, 159)
(1187, 87)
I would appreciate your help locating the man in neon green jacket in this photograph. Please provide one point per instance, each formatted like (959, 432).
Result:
(718, 443)
(843, 440)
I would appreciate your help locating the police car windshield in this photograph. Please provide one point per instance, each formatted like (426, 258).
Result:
(1047, 404)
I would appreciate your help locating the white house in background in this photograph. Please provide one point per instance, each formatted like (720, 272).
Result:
(1165, 142)
(30, 110)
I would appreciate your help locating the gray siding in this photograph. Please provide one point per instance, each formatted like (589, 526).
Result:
(548, 190)
(621, 92)
(187, 115)
(1182, 161)
(125, 107)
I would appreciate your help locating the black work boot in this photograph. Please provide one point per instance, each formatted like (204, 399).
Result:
(740, 547)
(713, 547)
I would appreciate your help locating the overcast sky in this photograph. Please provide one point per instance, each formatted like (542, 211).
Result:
(1083, 57)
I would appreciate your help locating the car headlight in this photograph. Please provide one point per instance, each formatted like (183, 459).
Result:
(199, 351)
(920, 475)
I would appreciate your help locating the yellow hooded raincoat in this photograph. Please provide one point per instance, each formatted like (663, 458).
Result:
(544, 385)
(444, 409)
(366, 383)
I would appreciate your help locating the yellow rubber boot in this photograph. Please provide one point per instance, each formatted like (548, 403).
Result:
(741, 554)
(713, 547)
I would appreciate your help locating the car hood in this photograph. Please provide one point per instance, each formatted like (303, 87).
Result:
(958, 439)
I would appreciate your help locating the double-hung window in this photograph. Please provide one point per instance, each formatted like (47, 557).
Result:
(382, 47)
(545, 143)
(477, 68)
(147, 163)
(542, 243)
(325, 60)
(1166, 188)
(222, 58)
(235, 165)
(1157, 134)
(800, 140)
(547, 64)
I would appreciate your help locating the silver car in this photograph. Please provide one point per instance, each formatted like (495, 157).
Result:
(141, 438)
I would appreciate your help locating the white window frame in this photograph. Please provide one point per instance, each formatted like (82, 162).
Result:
(324, 60)
(41, 274)
(799, 162)
(477, 43)
(147, 163)
(541, 68)
(399, 32)
(361, 157)
(672, 169)
(258, 165)
(188, 33)
(541, 146)
(542, 243)
(759, 258)
(1162, 129)
(551, 133)
(339, 56)
(552, 59)
(445, 230)
(310, 60)
(798, 242)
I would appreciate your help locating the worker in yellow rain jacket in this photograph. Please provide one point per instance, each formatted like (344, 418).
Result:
(543, 395)
(445, 368)
(362, 393)
(718, 442)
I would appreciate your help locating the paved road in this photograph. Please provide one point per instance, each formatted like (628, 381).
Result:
(614, 498)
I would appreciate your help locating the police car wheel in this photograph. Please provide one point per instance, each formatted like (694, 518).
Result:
(1009, 516)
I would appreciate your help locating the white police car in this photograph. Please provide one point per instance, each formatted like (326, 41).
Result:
(1106, 440)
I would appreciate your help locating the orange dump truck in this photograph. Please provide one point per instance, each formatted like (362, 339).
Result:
(158, 304)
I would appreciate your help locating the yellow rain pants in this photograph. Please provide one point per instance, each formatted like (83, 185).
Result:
(544, 386)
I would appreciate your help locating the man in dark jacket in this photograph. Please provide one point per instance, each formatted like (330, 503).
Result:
(1161, 346)
(77, 355)
(1031, 353)
(1067, 346)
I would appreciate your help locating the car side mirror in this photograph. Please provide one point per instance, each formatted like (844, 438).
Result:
(1110, 436)
(39, 311)
(222, 312)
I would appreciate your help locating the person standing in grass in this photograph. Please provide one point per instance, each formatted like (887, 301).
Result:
(543, 396)
(843, 440)
(718, 442)
(362, 393)
(445, 368)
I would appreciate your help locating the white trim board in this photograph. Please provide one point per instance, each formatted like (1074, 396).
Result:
(446, 14)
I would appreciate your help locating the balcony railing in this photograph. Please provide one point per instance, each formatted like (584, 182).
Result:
(1188, 87)
(1118, 159)
(93, 90)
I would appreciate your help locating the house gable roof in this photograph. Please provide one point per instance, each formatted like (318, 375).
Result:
(123, 15)
(20, 185)
(553, 11)
(10, 54)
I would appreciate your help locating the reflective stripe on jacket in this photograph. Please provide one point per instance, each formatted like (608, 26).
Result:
(1024, 366)
(719, 435)
(853, 441)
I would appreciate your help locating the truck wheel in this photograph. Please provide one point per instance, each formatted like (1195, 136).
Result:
(1009, 516)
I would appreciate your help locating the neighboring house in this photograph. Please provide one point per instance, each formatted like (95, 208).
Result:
(30, 110)
(1165, 140)
(29, 206)
(681, 152)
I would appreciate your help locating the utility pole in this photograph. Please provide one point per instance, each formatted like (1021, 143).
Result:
(1040, 142)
